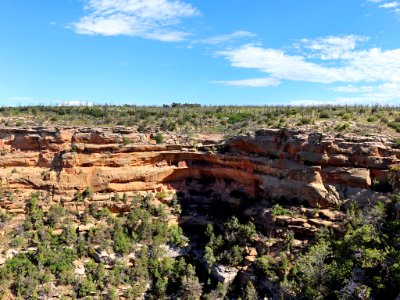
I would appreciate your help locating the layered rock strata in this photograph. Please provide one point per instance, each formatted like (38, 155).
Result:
(311, 168)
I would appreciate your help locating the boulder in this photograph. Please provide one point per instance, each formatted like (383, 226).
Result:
(303, 230)
(355, 177)
(102, 256)
(249, 259)
(224, 274)
(85, 228)
(79, 268)
(9, 254)
(320, 223)
(172, 251)
(331, 215)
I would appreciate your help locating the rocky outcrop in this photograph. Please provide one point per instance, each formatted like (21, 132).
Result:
(224, 274)
(315, 169)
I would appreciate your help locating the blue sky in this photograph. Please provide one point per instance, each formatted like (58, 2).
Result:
(240, 52)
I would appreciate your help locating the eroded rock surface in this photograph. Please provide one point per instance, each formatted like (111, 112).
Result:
(311, 168)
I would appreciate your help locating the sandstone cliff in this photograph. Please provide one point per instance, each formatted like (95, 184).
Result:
(313, 169)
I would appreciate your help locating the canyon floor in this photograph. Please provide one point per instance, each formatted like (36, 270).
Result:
(119, 212)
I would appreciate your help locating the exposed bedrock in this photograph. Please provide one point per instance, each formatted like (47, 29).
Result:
(311, 168)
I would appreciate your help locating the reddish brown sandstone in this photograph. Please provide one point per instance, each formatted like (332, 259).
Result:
(317, 169)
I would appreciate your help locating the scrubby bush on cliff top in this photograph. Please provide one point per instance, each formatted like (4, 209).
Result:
(229, 120)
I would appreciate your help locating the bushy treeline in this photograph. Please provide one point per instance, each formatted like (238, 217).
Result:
(187, 118)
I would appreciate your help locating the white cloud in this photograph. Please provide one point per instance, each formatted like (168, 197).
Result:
(253, 82)
(353, 100)
(332, 47)
(386, 92)
(370, 75)
(393, 4)
(370, 65)
(311, 102)
(354, 89)
(151, 19)
(278, 64)
(75, 103)
(220, 39)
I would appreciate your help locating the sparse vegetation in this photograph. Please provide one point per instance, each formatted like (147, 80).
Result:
(159, 138)
(229, 120)
(278, 210)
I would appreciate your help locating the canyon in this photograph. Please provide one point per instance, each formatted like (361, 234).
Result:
(308, 168)
(289, 183)
(314, 168)
(302, 169)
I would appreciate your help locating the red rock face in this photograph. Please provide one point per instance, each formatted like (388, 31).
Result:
(319, 170)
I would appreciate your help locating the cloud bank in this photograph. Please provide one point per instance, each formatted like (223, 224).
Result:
(392, 6)
(369, 74)
(345, 64)
(150, 19)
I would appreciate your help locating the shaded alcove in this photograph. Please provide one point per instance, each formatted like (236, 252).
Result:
(208, 200)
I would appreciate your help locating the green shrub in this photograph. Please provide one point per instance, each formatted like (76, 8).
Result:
(396, 143)
(346, 117)
(278, 210)
(122, 244)
(324, 115)
(233, 256)
(54, 215)
(86, 287)
(395, 126)
(126, 141)
(343, 127)
(125, 197)
(116, 197)
(238, 117)
(74, 148)
(88, 193)
(159, 138)
(305, 121)
(24, 276)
